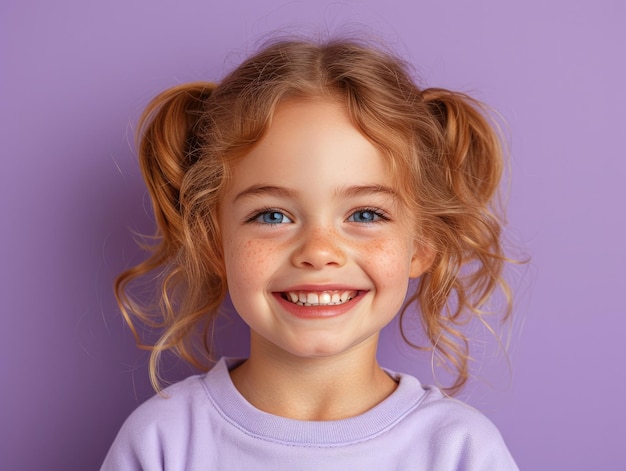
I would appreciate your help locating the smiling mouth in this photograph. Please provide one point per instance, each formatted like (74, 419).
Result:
(321, 298)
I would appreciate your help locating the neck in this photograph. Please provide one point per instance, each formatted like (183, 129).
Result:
(328, 388)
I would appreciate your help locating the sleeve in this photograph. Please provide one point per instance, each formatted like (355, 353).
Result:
(485, 450)
(160, 433)
(469, 441)
(135, 448)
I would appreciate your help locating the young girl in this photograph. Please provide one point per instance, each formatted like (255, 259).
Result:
(310, 185)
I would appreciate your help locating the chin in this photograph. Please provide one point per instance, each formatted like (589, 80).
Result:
(322, 349)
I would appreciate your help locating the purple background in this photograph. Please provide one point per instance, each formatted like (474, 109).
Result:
(74, 76)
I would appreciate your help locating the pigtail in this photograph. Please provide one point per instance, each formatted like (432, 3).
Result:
(463, 224)
(471, 151)
(169, 142)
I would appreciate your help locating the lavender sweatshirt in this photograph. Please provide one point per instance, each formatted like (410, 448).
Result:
(205, 424)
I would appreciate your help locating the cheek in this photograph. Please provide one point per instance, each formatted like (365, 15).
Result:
(391, 260)
(247, 262)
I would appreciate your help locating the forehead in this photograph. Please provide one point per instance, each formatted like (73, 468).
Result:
(312, 140)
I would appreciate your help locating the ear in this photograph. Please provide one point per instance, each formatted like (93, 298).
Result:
(423, 258)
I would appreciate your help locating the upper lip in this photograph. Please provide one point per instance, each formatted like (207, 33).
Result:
(320, 288)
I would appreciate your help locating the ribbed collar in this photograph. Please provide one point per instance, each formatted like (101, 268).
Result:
(234, 408)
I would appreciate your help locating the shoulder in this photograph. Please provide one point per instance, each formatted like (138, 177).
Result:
(455, 417)
(456, 435)
(170, 407)
(159, 428)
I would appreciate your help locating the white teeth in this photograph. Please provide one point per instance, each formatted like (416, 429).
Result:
(323, 298)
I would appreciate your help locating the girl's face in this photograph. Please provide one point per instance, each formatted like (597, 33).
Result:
(318, 248)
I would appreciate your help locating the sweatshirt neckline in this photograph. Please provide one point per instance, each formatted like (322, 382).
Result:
(236, 410)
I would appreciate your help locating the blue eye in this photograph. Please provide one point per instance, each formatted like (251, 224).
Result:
(366, 216)
(271, 217)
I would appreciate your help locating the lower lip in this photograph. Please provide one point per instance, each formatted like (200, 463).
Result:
(318, 312)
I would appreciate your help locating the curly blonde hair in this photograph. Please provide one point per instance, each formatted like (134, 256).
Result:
(444, 152)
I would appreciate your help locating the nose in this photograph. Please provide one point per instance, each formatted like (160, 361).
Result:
(319, 248)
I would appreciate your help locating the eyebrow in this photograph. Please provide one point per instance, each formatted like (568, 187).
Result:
(349, 191)
(364, 190)
(261, 190)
